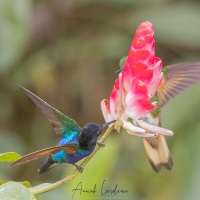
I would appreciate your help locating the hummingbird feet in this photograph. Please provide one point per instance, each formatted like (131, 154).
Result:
(101, 144)
(80, 169)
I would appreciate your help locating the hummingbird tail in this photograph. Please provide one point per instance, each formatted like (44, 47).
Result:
(158, 153)
(46, 164)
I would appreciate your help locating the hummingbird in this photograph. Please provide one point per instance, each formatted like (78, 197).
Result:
(176, 78)
(75, 144)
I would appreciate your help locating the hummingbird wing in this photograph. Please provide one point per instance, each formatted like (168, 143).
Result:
(177, 78)
(70, 149)
(61, 123)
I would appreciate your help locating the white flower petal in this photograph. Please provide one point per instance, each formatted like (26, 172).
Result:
(154, 129)
(142, 135)
(106, 111)
(130, 127)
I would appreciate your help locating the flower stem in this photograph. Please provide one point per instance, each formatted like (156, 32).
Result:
(49, 187)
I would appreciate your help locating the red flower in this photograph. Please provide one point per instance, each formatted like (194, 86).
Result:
(136, 85)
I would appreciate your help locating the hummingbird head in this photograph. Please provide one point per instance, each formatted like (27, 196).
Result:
(89, 134)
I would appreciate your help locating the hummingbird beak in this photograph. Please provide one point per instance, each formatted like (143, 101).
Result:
(108, 123)
(104, 125)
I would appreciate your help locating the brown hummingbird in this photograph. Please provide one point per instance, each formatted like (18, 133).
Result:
(176, 78)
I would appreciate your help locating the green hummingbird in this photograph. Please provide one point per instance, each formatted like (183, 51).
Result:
(176, 78)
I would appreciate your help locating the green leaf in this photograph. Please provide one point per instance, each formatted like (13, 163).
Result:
(9, 157)
(122, 62)
(15, 191)
(25, 183)
(2, 182)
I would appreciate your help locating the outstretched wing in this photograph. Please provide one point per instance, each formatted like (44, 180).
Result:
(70, 149)
(177, 78)
(61, 123)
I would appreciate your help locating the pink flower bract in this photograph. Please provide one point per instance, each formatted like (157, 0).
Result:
(138, 82)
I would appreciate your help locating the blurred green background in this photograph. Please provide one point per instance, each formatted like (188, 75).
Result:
(66, 52)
